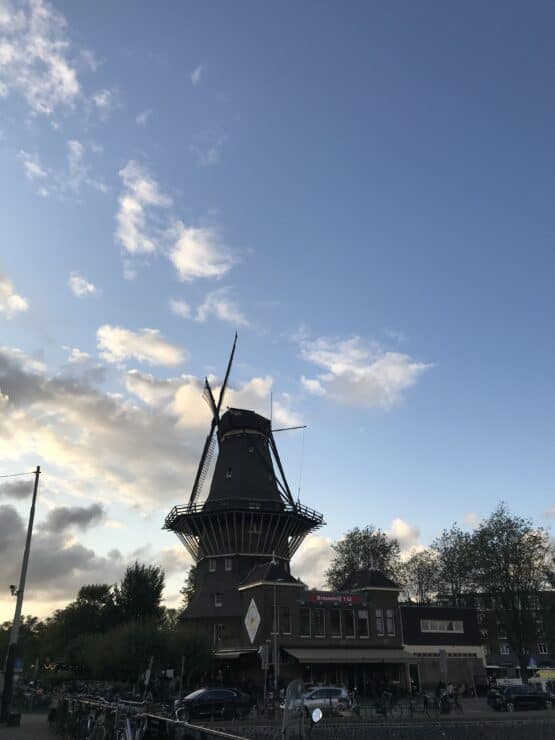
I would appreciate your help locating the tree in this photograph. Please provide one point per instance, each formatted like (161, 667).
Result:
(455, 556)
(189, 587)
(93, 611)
(360, 550)
(512, 562)
(419, 575)
(139, 594)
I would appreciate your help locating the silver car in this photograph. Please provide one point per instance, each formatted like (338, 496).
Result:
(326, 697)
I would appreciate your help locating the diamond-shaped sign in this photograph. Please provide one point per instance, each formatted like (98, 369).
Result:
(252, 620)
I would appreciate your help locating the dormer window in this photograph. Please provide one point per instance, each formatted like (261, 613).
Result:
(229, 473)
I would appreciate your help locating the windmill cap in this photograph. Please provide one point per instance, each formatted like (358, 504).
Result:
(241, 419)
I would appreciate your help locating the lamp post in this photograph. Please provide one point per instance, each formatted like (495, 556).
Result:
(14, 634)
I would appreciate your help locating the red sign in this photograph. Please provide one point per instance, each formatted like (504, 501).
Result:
(325, 597)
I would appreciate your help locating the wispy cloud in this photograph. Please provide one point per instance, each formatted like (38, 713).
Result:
(35, 59)
(142, 119)
(80, 287)
(196, 75)
(11, 302)
(221, 305)
(77, 356)
(117, 344)
(71, 177)
(136, 223)
(359, 373)
(207, 150)
(180, 308)
(106, 101)
(147, 225)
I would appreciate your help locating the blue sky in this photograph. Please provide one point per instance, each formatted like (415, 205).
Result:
(365, 192)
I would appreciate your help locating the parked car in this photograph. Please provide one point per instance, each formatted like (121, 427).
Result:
(518, 697)
(326, 697)
(221, 703)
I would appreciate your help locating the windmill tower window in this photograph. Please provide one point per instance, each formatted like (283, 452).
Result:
(251, 449)
(229, 473)
(228, 564)
(212, 565)
(218, 599)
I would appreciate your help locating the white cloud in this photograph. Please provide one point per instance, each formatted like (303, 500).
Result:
(312, 560)
(208, 150)
(59, 181)
(221, 305)
(408, 536)
(359, 373)
(105, 101)
(10, 301)
(199, 253)
(76, 356)
(32, 167)
(117, 344)
(196, 74)
(80, 287)
(136, 230)
(77, 170)
(34, 56)
(142, 119)
(180, 308)
(312, 385)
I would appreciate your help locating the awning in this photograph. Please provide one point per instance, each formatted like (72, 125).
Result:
(349, 655)
(233, 654)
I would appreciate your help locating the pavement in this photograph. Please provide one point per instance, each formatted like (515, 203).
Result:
(33, 727)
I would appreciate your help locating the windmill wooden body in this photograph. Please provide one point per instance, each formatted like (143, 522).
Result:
(248, 518)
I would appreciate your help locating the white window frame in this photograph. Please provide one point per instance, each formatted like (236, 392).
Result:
(228, 564)
(441, 626)
(364, 618)
(218, 599)
(212, 565)
(504, 648)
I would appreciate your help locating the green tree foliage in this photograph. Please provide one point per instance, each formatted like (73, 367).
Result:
(419, 576)
(512, 563)
(363, 549)
(456, 561)
(189, 587)
(139, 595)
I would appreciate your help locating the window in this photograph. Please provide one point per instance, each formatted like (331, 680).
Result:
(441, 625)
(218, 599)
(335, 622)
(284, 620)
(362, 623)
(380, 627)
(348, 623)
(218, 633)
(504, 649)
(228, 564)
(390, 621)
(304, 616)
(251, 449)
(318, 623)
(212, 565)
(228, 473)
(542, 648)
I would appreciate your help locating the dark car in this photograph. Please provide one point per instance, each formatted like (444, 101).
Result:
(221, 703)
(518, 697)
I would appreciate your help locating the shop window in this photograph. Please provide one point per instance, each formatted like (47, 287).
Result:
(542, 648)
(362, 623)
(441, 625)
(304, 618)
(390, 621)
(228, 564)
(318, 623)
(380, 626)
(212, 565)
(348, 623)
(218, 599)
(335, 622)
(504, 648)
(284, 620)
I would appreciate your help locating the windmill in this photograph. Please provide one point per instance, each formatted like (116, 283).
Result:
(249, 515)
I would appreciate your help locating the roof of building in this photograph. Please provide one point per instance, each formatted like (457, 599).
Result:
(372, 578)
(275, 571)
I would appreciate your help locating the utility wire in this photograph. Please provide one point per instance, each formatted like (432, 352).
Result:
(14, 475)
